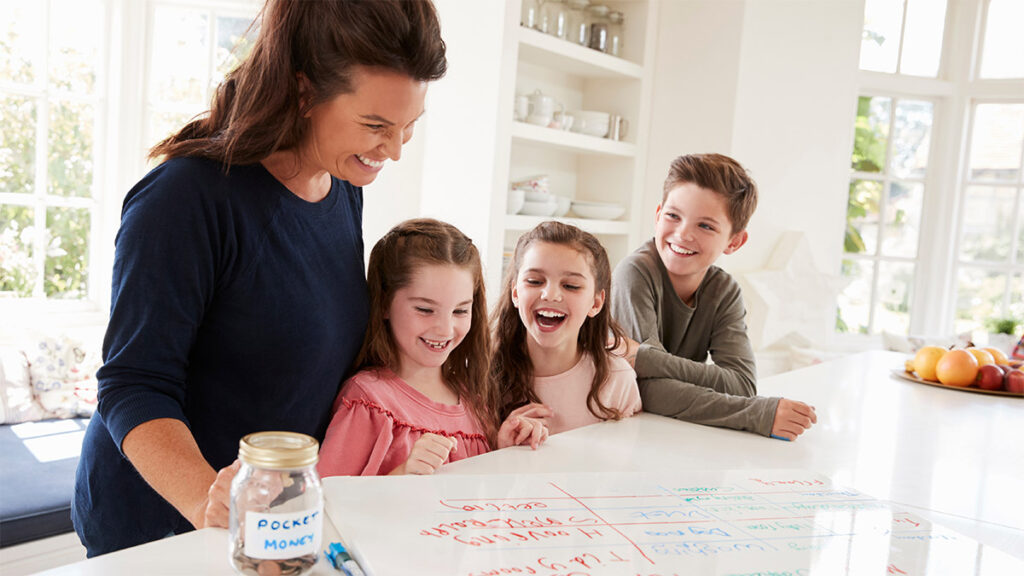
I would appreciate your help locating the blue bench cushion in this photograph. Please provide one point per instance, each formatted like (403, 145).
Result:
(37, 478)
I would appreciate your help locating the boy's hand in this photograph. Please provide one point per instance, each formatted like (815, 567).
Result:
(218, 498)
(427, 455)
(525, 425)
(792, 418)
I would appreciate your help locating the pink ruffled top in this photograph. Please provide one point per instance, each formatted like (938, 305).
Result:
(377, 419)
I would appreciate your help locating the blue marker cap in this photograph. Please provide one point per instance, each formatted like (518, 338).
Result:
(779, 438)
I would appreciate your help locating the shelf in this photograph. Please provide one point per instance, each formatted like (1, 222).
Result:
(572, 141)
(615, 227)
(557, 54)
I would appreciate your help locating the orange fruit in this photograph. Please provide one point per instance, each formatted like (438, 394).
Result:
(926, 359)
(998, 355)
(957, 368)
(982, 356)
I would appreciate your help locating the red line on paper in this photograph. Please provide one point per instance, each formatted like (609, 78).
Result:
(627, 538)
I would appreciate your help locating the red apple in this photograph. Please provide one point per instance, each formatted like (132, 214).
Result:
(1014, 381)
(990, 377)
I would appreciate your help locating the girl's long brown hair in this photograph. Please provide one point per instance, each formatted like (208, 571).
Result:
(257, 110)
(511, 369)
(394, 261)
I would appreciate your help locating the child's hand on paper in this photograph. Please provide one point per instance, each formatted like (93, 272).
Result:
(525, 425)
(427, 455)
(792, 418)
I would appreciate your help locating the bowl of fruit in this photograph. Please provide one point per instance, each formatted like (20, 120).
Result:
(982, 370)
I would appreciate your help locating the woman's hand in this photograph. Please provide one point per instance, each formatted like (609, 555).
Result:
(792, 418)
(525, 425)
(628, 349)
(427, 455)
(215, 510)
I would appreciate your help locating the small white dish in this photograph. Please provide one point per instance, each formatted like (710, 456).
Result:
(514, 202)
(539, 208)
(564, 203)
(536, 195)
(598, 210)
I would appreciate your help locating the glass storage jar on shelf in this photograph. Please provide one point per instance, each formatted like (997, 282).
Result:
(599, 27)
(578, 22)
(552, 19)
(529, 16)
(276, 511)
(615, 33)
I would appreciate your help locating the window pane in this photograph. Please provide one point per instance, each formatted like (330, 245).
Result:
(855, 297)
(1020, 229)
(160, 125)
(988, 223)
(892, 310)
(880, 41)
(903, 219)
(76, 32)
(1017, 297)
(21, 40)
(922, 37)
(17, 273)
(233, 45)
(180, 56)
(911, 141)
(70, 149)
(67, 252)
(996, 142)
(862, 217)
(871, 134)
(17, 144)
(979, 296)
(1004, 44)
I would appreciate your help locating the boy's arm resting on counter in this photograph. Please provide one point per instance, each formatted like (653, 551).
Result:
(635, 308)
(700, 405)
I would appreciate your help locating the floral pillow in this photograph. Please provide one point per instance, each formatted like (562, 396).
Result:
(63, 377)
(17, 402)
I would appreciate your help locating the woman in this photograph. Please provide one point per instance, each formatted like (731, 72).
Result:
(239, 299)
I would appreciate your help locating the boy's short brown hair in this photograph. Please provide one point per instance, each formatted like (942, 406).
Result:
(720, 174)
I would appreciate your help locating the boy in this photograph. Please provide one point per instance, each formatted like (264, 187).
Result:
(680, 307)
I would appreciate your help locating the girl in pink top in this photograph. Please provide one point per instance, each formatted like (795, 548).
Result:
(554, 336)
(421, 396)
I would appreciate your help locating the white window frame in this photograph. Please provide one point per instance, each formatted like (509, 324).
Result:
(954, 93)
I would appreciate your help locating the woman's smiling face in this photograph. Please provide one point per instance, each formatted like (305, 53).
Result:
(353, 134)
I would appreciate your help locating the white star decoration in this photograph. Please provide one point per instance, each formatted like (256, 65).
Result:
(790, 295)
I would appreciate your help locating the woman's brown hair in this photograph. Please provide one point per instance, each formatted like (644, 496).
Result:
(511, 369)
(257, 110)
(394, 261)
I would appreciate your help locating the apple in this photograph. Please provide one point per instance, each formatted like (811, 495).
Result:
(1014, 381)
(990, 377)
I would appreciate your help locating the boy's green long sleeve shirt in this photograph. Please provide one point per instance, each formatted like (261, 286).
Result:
(676, 340)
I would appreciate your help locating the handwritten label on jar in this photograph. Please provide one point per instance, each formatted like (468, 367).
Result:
(276, 536)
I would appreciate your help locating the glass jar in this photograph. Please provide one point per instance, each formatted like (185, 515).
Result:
(529, 16)
(277, 505)
(578, 22)
(552, 19)
(615, 33)
(599, 27)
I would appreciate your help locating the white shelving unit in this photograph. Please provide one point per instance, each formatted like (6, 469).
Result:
(578, 166)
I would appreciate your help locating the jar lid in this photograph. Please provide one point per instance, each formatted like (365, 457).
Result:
(278, 450)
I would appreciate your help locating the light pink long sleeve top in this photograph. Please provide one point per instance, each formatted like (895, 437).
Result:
(377, 419)
(566, 393)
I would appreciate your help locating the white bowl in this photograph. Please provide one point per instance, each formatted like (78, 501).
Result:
(514, 202)
(537, 195)
(539, 208)
(595, 129)
(598, 210)
(563, 205)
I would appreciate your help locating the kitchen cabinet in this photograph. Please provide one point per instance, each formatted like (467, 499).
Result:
(578, 166)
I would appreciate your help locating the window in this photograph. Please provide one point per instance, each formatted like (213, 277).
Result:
(990, 259)
(52, 106)
(935, 219)
(54, 92)
(886, 195)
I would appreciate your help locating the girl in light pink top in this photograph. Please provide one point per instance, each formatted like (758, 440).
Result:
(554, 336)
(421, 396)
